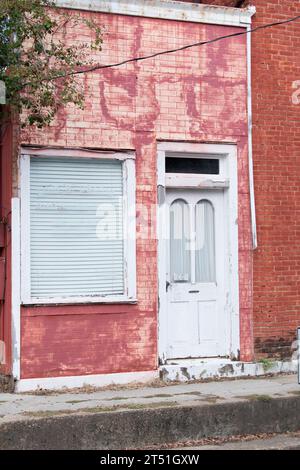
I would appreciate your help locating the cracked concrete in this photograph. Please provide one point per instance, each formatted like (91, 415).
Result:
(13, 406)
(279, 442)
(133, 418)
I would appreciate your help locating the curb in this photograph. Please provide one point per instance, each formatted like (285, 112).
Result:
(135, 429)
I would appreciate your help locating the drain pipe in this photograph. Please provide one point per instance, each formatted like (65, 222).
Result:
(250, 146)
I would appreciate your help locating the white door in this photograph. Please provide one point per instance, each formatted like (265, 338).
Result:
(197, 322)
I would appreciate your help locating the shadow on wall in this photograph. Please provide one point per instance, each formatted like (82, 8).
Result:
(224, 3)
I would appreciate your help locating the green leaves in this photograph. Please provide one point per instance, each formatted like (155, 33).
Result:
(36, 65)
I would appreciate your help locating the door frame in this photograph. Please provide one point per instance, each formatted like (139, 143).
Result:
(227, 180)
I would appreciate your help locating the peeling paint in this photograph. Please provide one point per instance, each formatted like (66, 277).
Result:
(221, 369)
(183, 97)
(185, 373)
(226, 370)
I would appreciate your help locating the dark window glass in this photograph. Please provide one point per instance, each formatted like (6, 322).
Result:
(204, 166)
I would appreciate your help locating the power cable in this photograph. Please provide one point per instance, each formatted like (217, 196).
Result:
(182, 48)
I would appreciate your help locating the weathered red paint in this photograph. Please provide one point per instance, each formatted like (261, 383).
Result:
(198, 95)
(6, 151)
(88, 343)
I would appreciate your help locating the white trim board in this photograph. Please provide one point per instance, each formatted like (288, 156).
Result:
(16, 287)
(77, 153)
(77, 381)
(166, 9)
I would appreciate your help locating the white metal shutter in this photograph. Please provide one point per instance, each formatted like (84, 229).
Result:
(76, 227)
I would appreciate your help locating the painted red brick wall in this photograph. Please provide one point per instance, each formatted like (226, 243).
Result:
(276, 139)
(6, 151)
(198, 96)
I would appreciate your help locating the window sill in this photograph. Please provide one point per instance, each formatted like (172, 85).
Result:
(78, 301)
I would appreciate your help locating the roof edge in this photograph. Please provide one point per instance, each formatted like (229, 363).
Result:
(167, 9)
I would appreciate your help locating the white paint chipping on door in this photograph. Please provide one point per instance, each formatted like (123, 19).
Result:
(192, 338)
(197, 318)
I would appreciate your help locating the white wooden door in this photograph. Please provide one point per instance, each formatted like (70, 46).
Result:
(197, 322)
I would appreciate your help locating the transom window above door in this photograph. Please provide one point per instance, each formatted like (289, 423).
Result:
(195, 170)
(190, 165)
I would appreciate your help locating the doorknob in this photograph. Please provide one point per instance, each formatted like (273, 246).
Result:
(194, 292)
(167, 285)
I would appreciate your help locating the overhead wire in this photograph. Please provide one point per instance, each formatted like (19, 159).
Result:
(178, 49)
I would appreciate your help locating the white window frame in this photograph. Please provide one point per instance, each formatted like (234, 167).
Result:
(129, 223)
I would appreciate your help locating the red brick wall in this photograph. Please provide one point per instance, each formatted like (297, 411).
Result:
(198, 95)
(276, 140)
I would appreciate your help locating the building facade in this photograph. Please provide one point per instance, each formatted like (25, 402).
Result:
(130, 243)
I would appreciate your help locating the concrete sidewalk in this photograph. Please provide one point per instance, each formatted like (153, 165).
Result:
(135, 418)
(289, 441)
